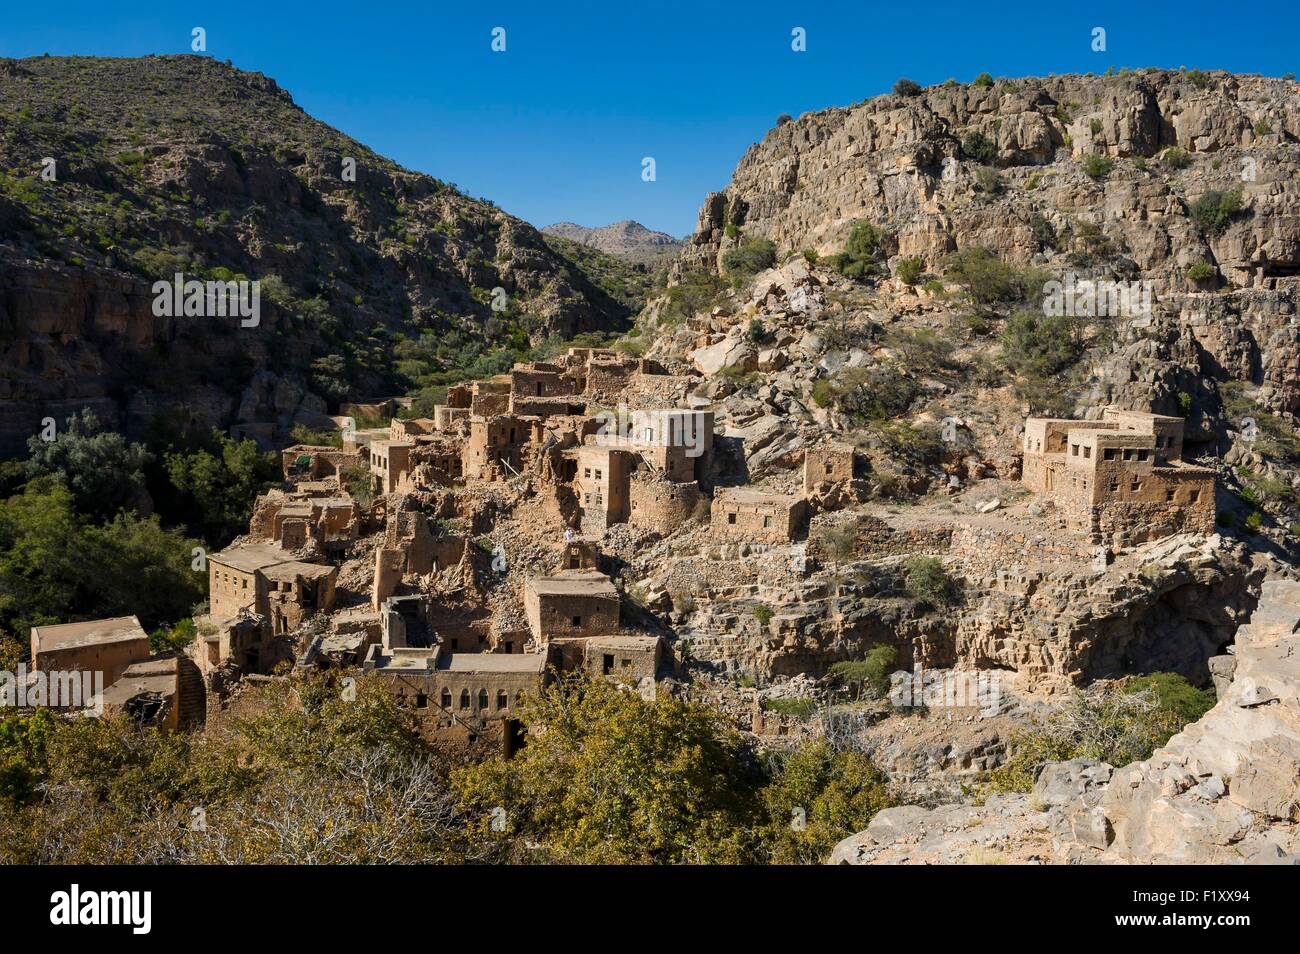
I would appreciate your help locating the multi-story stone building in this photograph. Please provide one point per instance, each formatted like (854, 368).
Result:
(601, 486)
(1122, 479)
(266, 581)
(390, 461)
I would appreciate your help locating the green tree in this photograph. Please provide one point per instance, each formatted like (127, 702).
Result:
(818, 797)
(610, 778)
(984, 277)
(54, 567)
(861, 252)
(750, 257)
(1038, 344)
(975, 145)
(216, 486)
(927, 580)
(868, 676)
(1216, 209)
(909, 270)
(104, 472)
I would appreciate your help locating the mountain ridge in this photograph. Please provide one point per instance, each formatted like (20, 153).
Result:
(180, 163)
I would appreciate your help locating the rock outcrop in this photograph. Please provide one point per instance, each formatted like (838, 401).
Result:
(1227, 788)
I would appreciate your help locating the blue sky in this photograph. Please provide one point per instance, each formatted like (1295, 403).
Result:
(556, 127)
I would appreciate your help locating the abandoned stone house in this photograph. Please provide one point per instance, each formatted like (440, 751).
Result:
(411, 429)
(494, 448)
(265, 580)
(389, 462)
(601, 486)
(447, 416)
(662, 505)
(313, 514)
(313, 462)
(829, 463)
(99, 645)
(456, 695)
(165, 691)
(491, 397)
(571, 604)
(437, 461)
(234, 642)
(579, 555)
(756, 516)
(646, 475)
(625, 657)
(460, 696)
(1120, 480)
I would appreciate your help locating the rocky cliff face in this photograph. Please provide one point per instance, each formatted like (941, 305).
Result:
(910, 163)
(180, 164)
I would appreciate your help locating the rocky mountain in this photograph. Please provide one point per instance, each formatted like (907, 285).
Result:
(917, 274)
(117, 173)
(625, 239)
(615, 238)
(970, 203)
(913, 164)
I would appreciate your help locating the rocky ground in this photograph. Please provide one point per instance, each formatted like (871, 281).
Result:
(1222, 791)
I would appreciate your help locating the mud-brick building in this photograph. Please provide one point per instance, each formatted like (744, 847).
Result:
(316, 461)
(164, 691)
(99, 645)
(1121, 480)
(661, 505)
(313, 514)
(464, 697)
(390, 461)
(756, 516)
(829, 463)
(540, 379)
(570, 605)
(490, 397)
(495, 446)
(579, 555)
(627, 658)
(411, 429)
(601, 486)
(688, 429)
(265, 580)
(460, 397)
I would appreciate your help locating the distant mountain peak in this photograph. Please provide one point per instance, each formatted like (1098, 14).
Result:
(617, 238)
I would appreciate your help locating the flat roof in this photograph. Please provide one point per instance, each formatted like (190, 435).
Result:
(493, 662)
(405, 658)
(752, 495)
(574, 583)
(270, 558)
(624, 641)
(293, 569)
(249, 557)
(93, 632)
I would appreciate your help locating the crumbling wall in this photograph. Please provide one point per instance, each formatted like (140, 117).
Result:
(662, 506)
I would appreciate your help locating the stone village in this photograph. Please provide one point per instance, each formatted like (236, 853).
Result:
(387, 555)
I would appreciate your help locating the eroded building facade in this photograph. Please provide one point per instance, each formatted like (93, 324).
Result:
(1121, 480)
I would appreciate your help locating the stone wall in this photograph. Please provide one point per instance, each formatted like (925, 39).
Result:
(661, 505)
